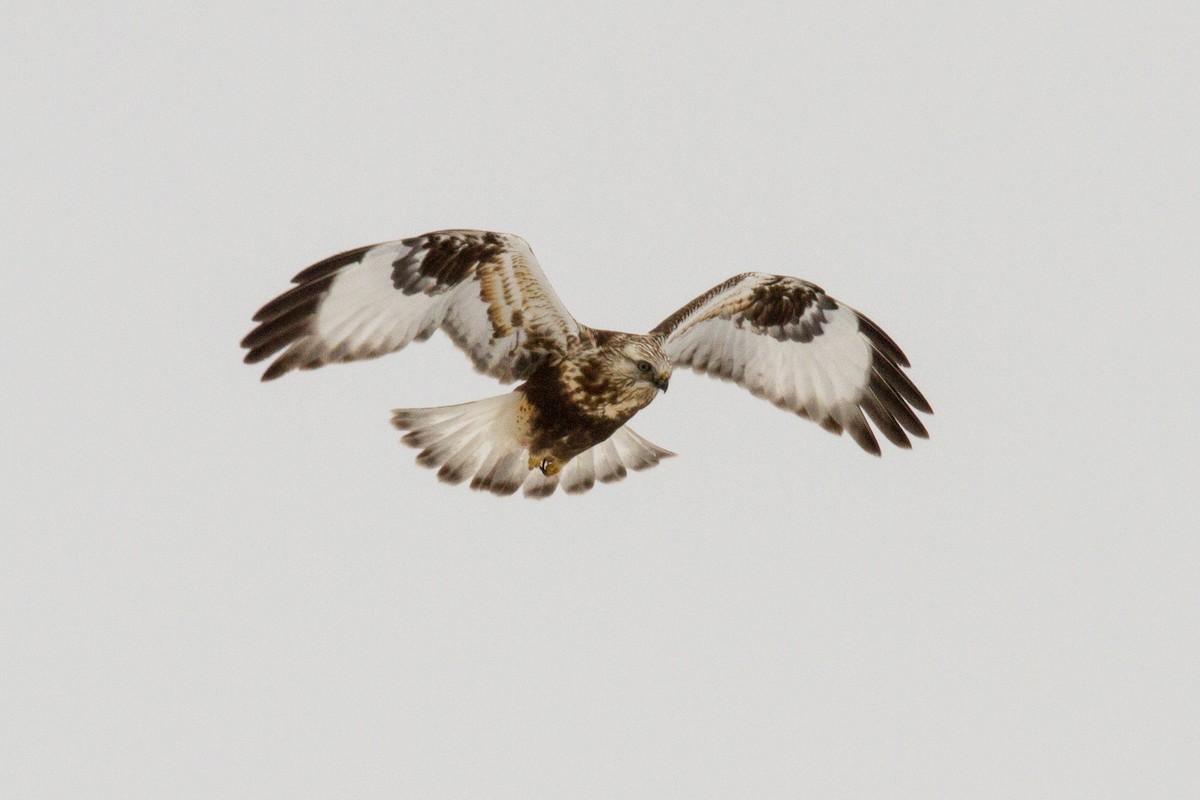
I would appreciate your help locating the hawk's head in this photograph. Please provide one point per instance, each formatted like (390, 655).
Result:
(621, 375)
(642, 364)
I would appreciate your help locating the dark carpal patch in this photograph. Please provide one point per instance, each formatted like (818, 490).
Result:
(445, 258)
(777, 304)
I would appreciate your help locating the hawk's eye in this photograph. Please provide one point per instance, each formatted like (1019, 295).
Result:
(643, 366)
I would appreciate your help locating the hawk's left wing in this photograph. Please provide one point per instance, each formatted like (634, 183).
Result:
(484, 289)
(787, 341)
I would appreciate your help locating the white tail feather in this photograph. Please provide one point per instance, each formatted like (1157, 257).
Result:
(610, 460)
(480, 441)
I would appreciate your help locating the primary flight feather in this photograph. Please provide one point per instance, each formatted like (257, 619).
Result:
(781, 338)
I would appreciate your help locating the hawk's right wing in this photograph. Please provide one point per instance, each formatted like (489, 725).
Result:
(787, 341)
(484, 289)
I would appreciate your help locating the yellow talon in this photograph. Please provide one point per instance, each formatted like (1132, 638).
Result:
(548, 465)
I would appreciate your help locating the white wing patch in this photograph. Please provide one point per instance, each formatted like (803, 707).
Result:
(816, 379)
(363, 315)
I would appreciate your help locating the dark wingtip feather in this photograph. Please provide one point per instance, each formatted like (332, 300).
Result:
(830, 424)
(919, 402)
(278, 368)
(862, 435)
(331, 265)
(894, 404)
(308, 295)
(265, 351)
(884, 421)
(265, 343)
(878, 337)
(900, 383)
(287, 318)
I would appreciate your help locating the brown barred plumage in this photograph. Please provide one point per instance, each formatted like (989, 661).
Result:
(782, 338)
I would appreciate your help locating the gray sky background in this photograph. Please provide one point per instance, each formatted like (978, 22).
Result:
(212, 587)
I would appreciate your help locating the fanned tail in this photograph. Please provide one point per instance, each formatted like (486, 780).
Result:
(611, 461)
(480, 441)
(476, 440)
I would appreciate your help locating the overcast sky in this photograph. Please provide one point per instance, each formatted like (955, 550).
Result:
(213, 587)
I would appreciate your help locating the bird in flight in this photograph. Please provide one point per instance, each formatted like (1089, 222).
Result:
(781, 338)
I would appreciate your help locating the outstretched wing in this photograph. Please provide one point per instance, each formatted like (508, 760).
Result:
(484, 289)
(785, 340)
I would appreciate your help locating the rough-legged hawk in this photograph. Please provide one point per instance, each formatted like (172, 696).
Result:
(782, 338)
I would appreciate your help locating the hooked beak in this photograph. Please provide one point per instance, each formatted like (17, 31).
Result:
(662, 381)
